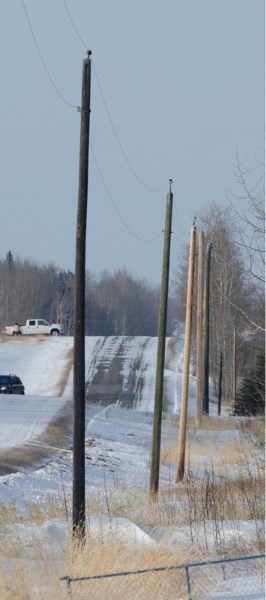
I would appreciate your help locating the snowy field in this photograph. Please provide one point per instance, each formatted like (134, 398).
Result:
(126, 433)
(118, 439)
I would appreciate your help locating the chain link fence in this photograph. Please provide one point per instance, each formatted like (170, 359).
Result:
(240, 578)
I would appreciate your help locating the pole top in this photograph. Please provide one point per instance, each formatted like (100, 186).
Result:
(170, 185)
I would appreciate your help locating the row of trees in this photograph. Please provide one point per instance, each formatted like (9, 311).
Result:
(119, 304)
(116, 303)
(237, 289)
(28, 290)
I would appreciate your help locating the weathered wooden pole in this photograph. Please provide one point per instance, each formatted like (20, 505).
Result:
(206, 337)
(79, 314)
(234, 370)
(186, 365)
(199, 365)
(220, 384)
(158, 399)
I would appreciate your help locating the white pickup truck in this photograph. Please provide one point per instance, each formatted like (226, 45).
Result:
(34, 327)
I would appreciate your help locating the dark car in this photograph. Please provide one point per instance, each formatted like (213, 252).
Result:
(11, 384)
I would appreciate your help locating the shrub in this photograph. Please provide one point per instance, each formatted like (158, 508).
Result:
(251, 393)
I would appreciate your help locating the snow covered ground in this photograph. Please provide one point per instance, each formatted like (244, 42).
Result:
(39, 362)
(122, 437)
(118, 439)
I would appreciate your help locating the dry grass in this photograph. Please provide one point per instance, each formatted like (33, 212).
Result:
(200, 449)
(115, 558)
(213, 423)
(94, 558)
(204, 498)
(31, 339)
(201, 452)
(208, 423)
(41, 579)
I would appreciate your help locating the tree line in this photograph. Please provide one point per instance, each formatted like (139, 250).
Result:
(237, 294)
(116, 303)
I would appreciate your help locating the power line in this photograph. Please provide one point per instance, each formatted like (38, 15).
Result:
(177, 218)
(42, 59)
(74, 26)
(150, 189)
(72, 106)
(114, 205)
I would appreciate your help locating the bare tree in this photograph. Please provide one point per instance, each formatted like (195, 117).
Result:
(119, 304)
(230, 289)
(248, 203)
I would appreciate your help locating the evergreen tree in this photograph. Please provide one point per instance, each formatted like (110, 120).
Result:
(9, 260)
(251, 392)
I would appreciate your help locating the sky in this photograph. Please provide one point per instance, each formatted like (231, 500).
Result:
(177, 87)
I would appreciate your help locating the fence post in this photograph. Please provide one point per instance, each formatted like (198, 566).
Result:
(188, 582)
(67, 579)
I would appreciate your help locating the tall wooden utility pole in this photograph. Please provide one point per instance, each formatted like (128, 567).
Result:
(186, 365)
(220, 384)
(199, 365)
(206, 336)
(79, 315)
(234, 370)
(158, 399)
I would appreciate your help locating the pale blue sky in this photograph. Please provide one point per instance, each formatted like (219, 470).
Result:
(183, 81)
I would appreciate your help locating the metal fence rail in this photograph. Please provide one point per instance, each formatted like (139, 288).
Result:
(239, 578)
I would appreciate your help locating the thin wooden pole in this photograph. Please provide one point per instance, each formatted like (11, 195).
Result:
(79, 316)
(206, 341)
(185, 380)
(199, 366)
(234, 371)
(220, 384)
(158, 398)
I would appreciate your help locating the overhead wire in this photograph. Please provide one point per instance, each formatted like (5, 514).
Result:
(78, 108)
(117, 138)
(42, 59)
(150, 189)
(114, 205)
(74, 26)
(177, 218)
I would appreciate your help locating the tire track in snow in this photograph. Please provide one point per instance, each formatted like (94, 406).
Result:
(119, 369)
